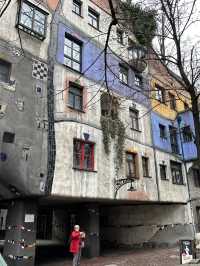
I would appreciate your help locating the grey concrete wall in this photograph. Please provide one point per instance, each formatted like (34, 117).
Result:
(24, 168)
(145, 224)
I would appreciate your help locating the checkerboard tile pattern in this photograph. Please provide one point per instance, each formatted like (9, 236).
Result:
(40, 70)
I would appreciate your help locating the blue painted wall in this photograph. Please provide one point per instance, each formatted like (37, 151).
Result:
(189, 148)
(90, 51)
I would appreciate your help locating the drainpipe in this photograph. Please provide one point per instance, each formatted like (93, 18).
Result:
(155, 162)
(179, 119)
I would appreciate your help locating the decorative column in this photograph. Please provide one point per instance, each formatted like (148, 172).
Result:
(20, 240)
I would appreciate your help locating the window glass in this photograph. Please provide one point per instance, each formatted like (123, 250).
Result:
(174, 139)
(162, 131)
(5, 69)
(72, 54)
(131, 165)
(75, 97)
(159, 93)
(187, 134)
(93, 18)
(123, 74)
(145, 166)
(163, 174)
(134, 116)
(83, 155)
(176, 171)
(76, 8)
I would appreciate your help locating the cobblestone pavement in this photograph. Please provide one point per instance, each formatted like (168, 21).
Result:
(147, 257)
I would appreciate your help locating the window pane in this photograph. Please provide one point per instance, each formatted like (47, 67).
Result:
(71, 99)
(27, 10)
(77, 154)
(38, 27)
(76, 47)
(76, 66)
(68, 42)
(78, 102)
(39, 17)
(67, 51)
(130, 165)
(26, 21)
(87, 156)
(4, 71)
(76, 56)
(68, 62)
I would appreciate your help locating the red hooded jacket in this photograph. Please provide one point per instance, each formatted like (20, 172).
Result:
(75, 242)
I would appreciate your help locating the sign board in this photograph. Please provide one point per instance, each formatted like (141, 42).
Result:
(186, 251)
(2, 261)
(29, 218)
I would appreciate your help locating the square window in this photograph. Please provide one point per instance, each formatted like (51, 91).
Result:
(32, 20)
(120, 36)
(134, 117)
(131, 165)
(162, 129)
(72, 53)
(75, 97)
(8, 137)
(83, 155)
(76, 8)
(163, 172)
(145, 166)
(176, 171)
(123, 74)
(187, 134)
(93, 17)
(5, 69)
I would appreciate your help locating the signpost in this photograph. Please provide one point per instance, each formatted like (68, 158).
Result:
(187, 251)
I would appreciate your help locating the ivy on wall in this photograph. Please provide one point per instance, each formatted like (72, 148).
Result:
(112, 127)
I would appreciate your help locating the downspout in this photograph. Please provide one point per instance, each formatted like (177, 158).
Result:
(186, 173)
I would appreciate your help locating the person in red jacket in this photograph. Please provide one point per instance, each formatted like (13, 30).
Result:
(76, 244)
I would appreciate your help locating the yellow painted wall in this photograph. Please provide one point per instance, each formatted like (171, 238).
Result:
(164, 108)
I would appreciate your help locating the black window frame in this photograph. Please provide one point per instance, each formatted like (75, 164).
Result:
(145, 166)
(7, 65)
(31, 30)
(162, 129)
(123, 71)
(163, 171)
(173, 131)
(172, 101)
(186, 134)
(162, 96)
(196, 177)
(120, 37)
(78, 5)
(134, 116)
(80, 44)
(138, 80)
(91, 14)
(176, 172)
(80, 88)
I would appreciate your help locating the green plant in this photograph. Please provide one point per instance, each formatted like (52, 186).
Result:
(141, 21)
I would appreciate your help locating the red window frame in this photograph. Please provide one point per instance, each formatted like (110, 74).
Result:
(82, 144)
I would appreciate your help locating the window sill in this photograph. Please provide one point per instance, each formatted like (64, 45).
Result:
(84, 170)
(178, 184)
(162, 179)
(94, 27)
(77, 71)
(147, 176)
(74, 109)
(134, 129)
(7, 86)
(31, 32)
(77, 14)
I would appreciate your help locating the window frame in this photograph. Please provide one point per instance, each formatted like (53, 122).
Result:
(91, 12)
(145, 166)
(163, 167)
(31, 30)
(122, 73)
(160, 97)
(82, 155)
(9, 65)
(195, 178)
(121, 39)
(134, 118)
(80, 44)
(172, 101)
(134, 165)
(10, 138)
(173, 136)
(186, 135)
(164, 135)
(174, 169)
(79, 4)
(77, 86)
(138, 80)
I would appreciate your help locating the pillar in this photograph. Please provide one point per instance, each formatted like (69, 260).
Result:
(20, 239)
(90, 224)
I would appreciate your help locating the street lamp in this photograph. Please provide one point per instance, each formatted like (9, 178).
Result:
(118, 183)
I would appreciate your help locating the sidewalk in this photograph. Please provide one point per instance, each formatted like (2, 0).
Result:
(144, 257)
